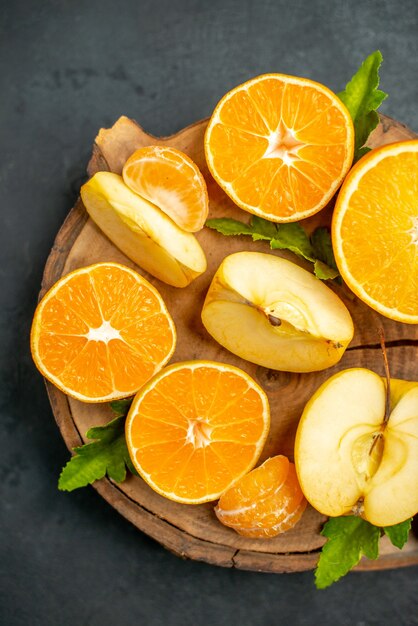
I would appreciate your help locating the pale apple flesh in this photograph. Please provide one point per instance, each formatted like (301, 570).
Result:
(141, 231)
(349, 459)
(272, 312)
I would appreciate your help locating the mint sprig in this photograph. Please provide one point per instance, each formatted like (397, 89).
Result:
(362, 98)
(316, 249)
(348, 539)
(107, 455)
(398, 534)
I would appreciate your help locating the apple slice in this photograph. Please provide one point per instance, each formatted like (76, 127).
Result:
(141, 231)
(272, 312)
(349, 459)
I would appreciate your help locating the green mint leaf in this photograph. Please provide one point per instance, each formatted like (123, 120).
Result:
(349, 538)
(362, 98)
(398, 534)
(262, 229)
(293, 237)
(227, 226)
(322, 247)
(289, 236)
(360, 153)
(120, 407)
(92, 461)
(324, 271)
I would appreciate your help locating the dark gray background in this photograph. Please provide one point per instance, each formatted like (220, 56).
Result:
(67, 68)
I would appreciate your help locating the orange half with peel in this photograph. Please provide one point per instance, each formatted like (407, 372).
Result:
(375, 230)
(280, 146)
(196, 428)
(101, 332)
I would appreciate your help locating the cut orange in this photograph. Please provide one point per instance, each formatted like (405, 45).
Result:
(172, 181)
(264, 503)
(375, 230)
(280, 146)
(196, 428)
(101, 332)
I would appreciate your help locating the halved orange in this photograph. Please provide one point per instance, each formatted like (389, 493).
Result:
(172, 181)
(101, 332)
(375, 230)
(196, 428)
(280, 146)
(264, 503)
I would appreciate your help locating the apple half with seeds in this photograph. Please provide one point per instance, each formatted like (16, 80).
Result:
(142, 231)
(357, 453)
(272, 312)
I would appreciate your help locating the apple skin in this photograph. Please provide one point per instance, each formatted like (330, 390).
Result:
(272, 312)
(335, 435)
(141, 231)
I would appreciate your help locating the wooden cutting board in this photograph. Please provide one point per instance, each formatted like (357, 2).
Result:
(193, 531)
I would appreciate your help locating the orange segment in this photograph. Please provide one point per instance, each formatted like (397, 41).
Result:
(59, 350)
(195, 428)
(101, 332)
(172, 181)
(58, 319)
(238, 151)
(280, 146)
(375, 230)
(115, 295)
(78, 295)
(265, 502)
(90, 368)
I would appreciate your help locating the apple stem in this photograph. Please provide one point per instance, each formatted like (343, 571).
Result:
(375, 440)
(387, 374)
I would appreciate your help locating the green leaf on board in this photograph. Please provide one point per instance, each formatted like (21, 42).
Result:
(289, 236)
(108, 455)
(398, 534)
(362, 98)
(348, 539)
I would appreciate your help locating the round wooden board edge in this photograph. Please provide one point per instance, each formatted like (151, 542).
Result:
(174, 539)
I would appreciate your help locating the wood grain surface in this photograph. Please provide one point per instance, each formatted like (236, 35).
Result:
(193, 531)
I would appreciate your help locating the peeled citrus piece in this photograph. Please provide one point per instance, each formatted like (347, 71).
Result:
(265, 502)
(196, 428)
(280, 146)
(101, 332)
(171, 180)
(375, 230)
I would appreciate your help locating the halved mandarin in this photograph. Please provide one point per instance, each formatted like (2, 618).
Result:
(280, 146)
(196, 428)
(101, 332)
(172, 181)
(375, 230)
(264, 503)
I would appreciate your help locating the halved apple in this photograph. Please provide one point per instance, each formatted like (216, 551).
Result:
(141, 231)
(272, 312)
(349, 459)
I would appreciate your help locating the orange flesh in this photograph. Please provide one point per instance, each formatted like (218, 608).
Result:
(378, 235)
(101, 334)
(264, 503)
(196, 430)
(280, 148)
(169, 179)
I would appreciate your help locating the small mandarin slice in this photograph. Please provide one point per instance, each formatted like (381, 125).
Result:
(172, 181)
(265, 502)
(195, 428)
(101, 332)
(280, 146)
(375, 230)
